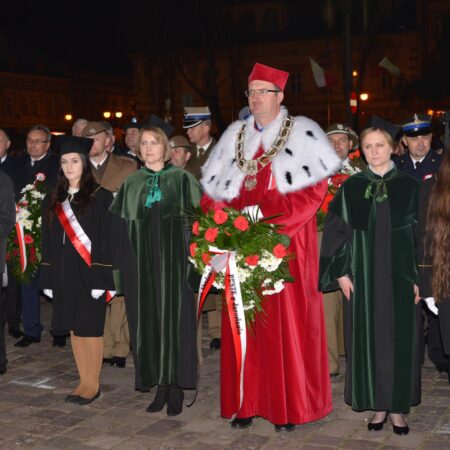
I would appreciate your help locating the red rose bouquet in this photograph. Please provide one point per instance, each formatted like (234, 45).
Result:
(260, 252)
(352, 165)
(24, 243)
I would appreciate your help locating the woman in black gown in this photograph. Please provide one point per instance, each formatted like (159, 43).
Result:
(76, 269)
(368, 249)
(434, 246)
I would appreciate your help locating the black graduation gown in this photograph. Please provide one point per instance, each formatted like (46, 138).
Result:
(373, 243)
(426, 268)
(67, 274)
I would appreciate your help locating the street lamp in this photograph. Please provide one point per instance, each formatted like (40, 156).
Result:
(119, 114)
(107, 114)
(364, 96)
(68, 117)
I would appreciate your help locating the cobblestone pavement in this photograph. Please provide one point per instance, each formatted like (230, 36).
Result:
(33, 414)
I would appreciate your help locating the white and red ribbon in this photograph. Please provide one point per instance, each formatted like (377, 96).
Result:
(80, 240)
(22, 249)
(227, 260)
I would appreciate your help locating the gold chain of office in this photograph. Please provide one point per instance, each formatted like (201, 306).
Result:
(253, 166)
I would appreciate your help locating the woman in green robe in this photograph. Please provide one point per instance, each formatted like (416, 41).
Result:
(368, 251)
(156, 202)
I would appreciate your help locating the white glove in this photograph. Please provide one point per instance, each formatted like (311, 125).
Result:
(431, 305)
(4, 278)
(97, 293)
(253, 211)
(48, 292)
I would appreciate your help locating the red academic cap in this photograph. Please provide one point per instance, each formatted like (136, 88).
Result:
(269, 74)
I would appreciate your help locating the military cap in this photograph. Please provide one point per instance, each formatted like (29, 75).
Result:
(93, 128)
(133, 124)
(417, 125)
(342, 128)
(381, 124)
(195, 115)
(75, 144)
(180, 141)
(156, 121)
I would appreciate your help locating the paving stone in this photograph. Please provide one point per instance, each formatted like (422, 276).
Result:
(359, 444)
(106, 441)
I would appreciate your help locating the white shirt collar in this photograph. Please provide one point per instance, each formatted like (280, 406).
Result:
(204, 147)
(2, 160)
(98, 164)
(33, 160)
(415, 161)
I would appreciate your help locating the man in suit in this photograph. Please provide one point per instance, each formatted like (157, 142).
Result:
(110, 171)
(131, 138)
(37, 160)
(197, 123)
(181, 151)
(113, 147)
(6, 161)
(7, 219)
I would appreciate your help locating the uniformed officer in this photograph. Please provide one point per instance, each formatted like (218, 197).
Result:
(420, 160)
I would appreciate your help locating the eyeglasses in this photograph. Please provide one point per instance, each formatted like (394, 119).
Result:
(253, 92)
(36, 141)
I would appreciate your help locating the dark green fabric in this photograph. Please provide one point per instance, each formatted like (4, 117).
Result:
(355, 258)
(160, 239)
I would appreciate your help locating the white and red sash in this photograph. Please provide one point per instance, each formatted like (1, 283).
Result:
(227, 260)
(79, 239)
(21, 241)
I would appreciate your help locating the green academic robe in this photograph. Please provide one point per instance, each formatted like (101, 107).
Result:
(166, 327)
(371, 239)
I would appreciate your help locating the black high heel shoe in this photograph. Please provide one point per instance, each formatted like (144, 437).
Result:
(377, 426)
(160, 399)
(403, 430)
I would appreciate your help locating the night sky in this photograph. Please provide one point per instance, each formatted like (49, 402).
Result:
(98, 36)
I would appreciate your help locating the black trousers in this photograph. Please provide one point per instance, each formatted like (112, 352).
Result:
(2, 329)
(435, 346)
(13, 302)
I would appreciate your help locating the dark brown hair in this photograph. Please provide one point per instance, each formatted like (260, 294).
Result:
(438, 231)
(84, 196)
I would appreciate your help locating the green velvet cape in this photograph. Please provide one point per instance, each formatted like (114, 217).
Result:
(373, 243)
(166, 329)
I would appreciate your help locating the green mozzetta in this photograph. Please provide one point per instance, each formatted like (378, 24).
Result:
(371, 239)
(159, 233)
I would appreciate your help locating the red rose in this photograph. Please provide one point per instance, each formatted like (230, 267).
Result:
(326, 202)
(279, 251)
(338, 179)
(192, 249)
(15, 252)
(196, 228)
(241, 223)
(28, 239)
(206, 258)
(220, 216)
(211, 234)
(252, 260)
(32, 258)
(355, 155)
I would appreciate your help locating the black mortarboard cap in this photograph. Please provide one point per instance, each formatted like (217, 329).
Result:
(156, 121)
(381, 124)
(75, 144)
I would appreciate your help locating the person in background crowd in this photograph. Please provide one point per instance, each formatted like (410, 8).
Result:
(422, 162)
(156, 202)
(79, 278)
(6, 161)
(286, 376)
(112, 146)
(368, 249)
(197, 123)
(78, 126)
(37, 160)
(434, 249)
(131, 139)
(110, 171)
(181, 151)
(7, 220)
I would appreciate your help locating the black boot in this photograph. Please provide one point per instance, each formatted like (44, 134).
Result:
(175, 400)
(160, 399)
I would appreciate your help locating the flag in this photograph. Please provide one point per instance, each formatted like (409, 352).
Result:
(318, 73)
(389, 66)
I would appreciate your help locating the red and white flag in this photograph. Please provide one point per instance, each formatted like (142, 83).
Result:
(318, 73)
(385, 63)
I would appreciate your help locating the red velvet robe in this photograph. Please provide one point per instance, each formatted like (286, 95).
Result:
(286, 377)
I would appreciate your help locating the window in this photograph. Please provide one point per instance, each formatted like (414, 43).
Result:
(296, 83)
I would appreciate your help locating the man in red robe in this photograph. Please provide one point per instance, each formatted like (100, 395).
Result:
(286, 378)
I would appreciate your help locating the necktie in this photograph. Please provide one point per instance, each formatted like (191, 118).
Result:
(418, 164)
(201, 151)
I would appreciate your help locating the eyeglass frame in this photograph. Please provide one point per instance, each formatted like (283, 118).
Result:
(251, 92)
(36, 141)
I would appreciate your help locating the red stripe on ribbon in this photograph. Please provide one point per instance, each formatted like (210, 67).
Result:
(80, 248)
(22, 248)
